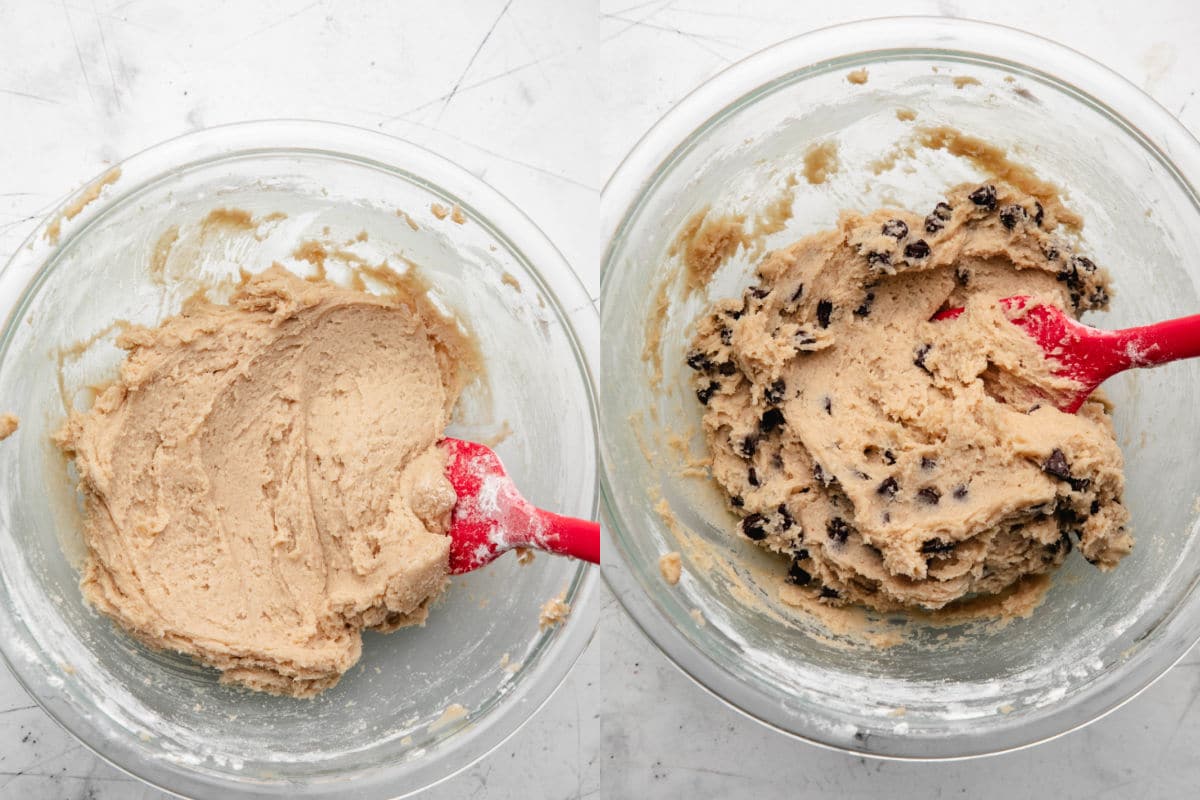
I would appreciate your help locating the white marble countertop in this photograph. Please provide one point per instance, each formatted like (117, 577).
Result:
(541, 98)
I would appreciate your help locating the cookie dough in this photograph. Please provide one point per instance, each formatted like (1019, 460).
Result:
(554, 611)
(262, 481)
(8, 425)
(670, 566)
(898, 462)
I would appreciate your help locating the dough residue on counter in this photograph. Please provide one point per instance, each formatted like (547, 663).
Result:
(8, 425)
(554, 611)
(670, 566)
(858, 77)
(963, 81)
(262, 480)
(898, 462)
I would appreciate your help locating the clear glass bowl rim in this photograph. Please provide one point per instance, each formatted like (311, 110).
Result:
(484, 205)
(841, 47)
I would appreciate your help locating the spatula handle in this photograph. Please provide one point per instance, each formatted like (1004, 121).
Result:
(568, 536)
(1151, 345)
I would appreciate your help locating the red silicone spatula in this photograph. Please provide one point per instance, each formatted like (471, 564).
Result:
(1090, 356)
(491, 517)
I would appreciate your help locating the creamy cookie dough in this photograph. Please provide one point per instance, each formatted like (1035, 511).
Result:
(262, 481)
(895, 461)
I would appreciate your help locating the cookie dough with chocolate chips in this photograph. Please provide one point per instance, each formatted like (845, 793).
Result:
(262, 481)
(895, 461)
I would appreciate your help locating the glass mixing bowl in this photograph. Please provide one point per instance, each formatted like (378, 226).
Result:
(1127, 166)
(382, 731)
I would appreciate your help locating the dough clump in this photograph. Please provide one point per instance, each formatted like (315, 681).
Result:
(896, 461)
(263, 480)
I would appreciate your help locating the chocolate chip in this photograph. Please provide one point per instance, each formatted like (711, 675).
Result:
(752, 527)
(1081, 263)
(1057, 465)
(828, 405)
(777, 461)
(699, 361)
(798, 575)
(800, 555)
(888, 488)
(758, 292)
(726, 336)
(727, 368)
(705, 394)
(824, 309)
(796, 294)
(889, 457)
(736, 501)
(942, 211)
(1069, 516)
(1099, 297)
(1039, 213)
(819, 475)
(749, 445)
(984, 197)
(803, 338)
(774, 393)
(886, 517)
(752, 476)
(960, 492)
(1050, 252)
(865, 309)
(785, 518)
(771, 419)
(830, 594)
(734, 314)
(1062, 543)
(918, 249)
(923, 351)
(837, 530)
(1095, 508)
(896, 228)
(962, 276)
(934, 546)
(929, 496)
(933, 224)
(928, 463)
(879, 259)
(1010, 215)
